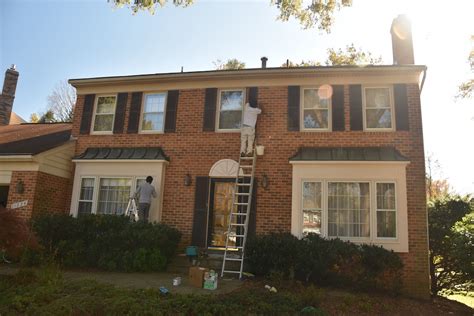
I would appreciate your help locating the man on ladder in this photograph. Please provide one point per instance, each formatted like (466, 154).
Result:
(242, 197)
(247, 135)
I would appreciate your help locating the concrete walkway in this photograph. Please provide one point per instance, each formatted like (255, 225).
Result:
(141, 280)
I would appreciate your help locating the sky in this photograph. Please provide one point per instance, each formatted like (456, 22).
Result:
(55, 40)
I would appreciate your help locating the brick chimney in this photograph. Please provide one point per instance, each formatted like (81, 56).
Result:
(8, 95)
(402, 43)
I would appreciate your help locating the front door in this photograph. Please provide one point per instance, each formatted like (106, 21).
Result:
(219, 210)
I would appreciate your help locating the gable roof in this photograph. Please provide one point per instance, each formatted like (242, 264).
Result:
(16, 119)
(32, 139)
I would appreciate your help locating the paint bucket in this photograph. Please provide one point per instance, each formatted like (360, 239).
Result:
(260, 149)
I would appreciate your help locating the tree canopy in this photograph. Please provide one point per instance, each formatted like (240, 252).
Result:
(339, 57)
(466, 89)
(231, 64)
(318, 13)
(60, 107)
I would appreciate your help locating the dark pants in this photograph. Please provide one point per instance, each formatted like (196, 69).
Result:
(143, 211)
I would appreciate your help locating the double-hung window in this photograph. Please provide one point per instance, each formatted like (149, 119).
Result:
(86, 196)
(231, 104)
(104, 114)
(153, 113)
(312, 207)
(316, 107)
(386, 211)
(378, 110)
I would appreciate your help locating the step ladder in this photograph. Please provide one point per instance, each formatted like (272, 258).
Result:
(239, 215)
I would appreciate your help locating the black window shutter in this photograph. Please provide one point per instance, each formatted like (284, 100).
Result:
(252, 228)
(401, 107)
(200, 212)
(171, 111)
(210, 110)
(293, 108)
(355, 100)
(253, 95)
(135, 108)
(87, 114)
(338, 108)
(120, 112)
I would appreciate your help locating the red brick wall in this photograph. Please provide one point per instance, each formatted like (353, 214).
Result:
(193, 151)
(44, 193)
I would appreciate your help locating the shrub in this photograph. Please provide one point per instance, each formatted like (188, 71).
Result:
(325, 261)
(106, 241)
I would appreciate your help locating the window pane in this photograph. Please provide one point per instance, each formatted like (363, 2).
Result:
(377, 98)
(311, 195)
(386, 224)
(231, 100)
(87, 189)
(152, 122)
(386, 196)
(103, 123)
(106, 105)
(155, 102)
(230, 119)
(315, 98)
(312, 222)
(84, 208)
(113, 195)
(348, 209)
(379, 118)
(315, 118)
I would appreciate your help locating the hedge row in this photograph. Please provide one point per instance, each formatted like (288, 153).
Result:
(322, 261)
(106, 242)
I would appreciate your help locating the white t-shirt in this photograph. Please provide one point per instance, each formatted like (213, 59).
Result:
(250, 115)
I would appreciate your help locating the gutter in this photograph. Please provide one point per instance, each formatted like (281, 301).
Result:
(248, 73)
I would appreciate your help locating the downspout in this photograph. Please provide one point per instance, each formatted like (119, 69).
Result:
(423, 80)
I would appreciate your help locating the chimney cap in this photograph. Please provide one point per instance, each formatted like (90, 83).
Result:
(13, 67)
(264, 58)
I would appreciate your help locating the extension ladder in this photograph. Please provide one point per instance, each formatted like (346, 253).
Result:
(239, 214)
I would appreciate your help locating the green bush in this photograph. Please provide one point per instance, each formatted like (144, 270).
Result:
(106, 241)
(333, 262)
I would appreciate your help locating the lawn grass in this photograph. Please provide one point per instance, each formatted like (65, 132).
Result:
(46, 292)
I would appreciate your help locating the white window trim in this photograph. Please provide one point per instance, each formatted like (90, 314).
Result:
(396, 211)
(142, 112)
(372, 211)
(329, 109)
(218, 110)
(392, 109)
(96, 101)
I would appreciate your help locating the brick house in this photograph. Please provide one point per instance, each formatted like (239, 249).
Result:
(343, 151)
(35, 160)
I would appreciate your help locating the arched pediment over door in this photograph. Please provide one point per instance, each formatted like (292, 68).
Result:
(224, 168)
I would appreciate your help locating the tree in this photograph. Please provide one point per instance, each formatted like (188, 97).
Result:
(435, 188)
(231, 64)
(318, 13)
(466, 89)
(351, 56)
(451, 239)
(60, 107)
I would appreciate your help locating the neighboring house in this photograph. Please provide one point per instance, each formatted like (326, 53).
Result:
(35, 160)
(343, 151)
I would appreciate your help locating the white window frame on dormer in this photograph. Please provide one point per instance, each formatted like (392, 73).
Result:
(142, 113)
(96, 102)
(302, 109)
(391, 108)
(218, 109)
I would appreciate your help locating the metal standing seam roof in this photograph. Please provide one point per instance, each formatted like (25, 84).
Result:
(348, 154)
(123, 153)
